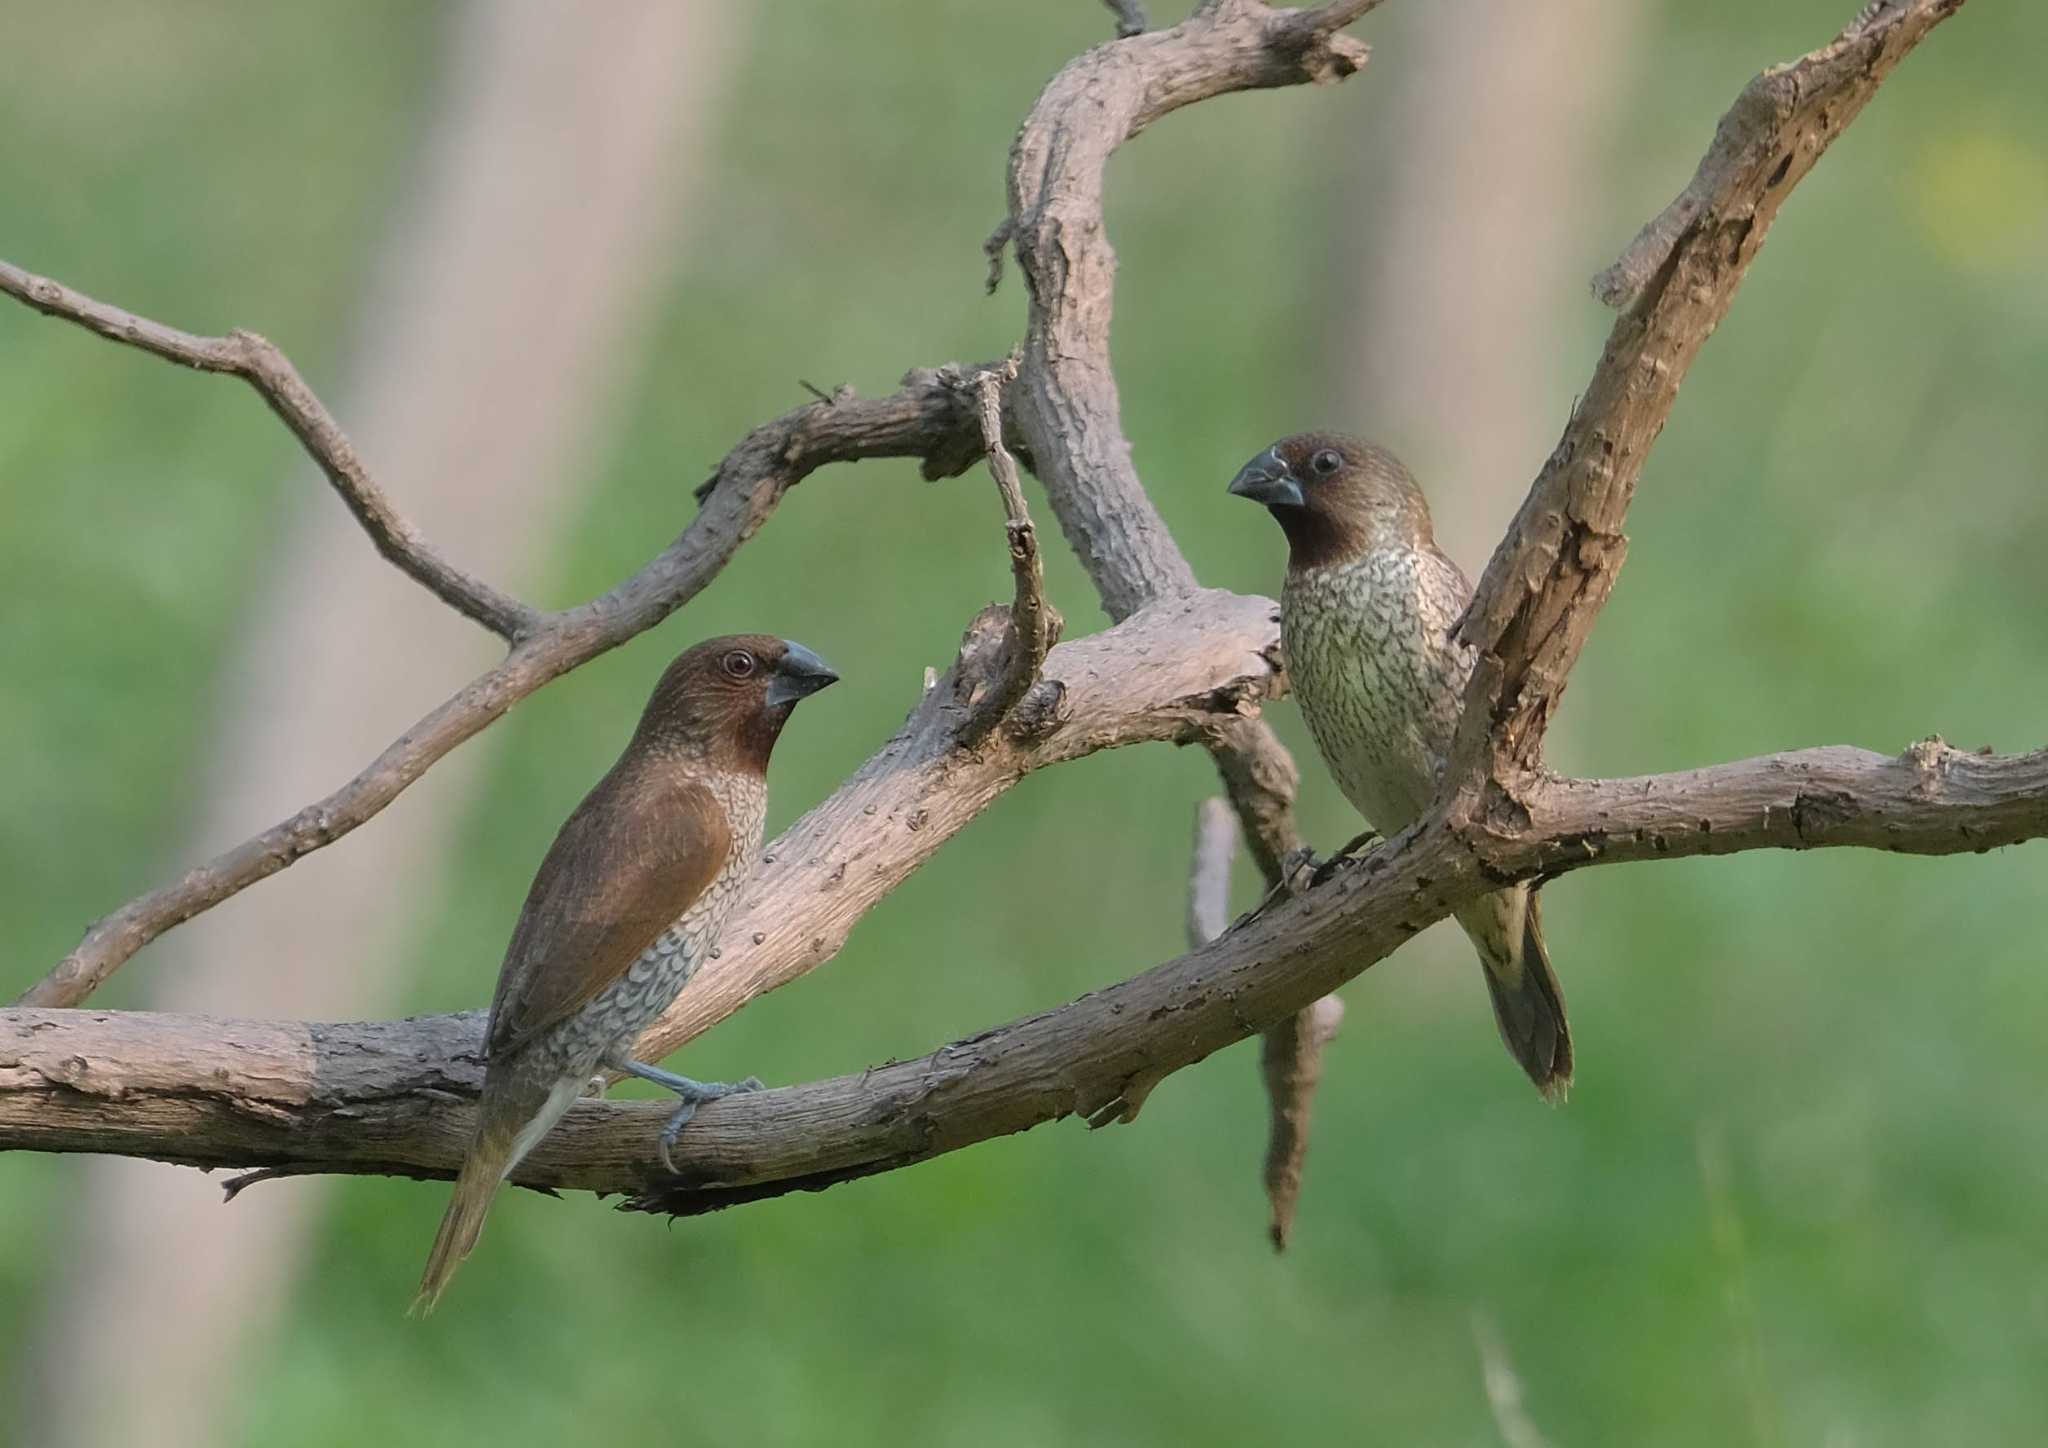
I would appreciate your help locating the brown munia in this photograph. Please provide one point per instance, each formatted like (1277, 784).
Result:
(627, 904)
(1366, 619)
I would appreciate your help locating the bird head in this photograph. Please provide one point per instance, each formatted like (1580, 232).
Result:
(1335, 497)
(727, 699)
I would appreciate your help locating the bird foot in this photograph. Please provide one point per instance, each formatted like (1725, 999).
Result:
(693, 1094)
(1301, 872)
(1322, 871)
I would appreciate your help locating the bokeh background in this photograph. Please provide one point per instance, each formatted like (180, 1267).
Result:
(549, 267)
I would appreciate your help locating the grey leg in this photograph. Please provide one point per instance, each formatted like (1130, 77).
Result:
(693, 1094)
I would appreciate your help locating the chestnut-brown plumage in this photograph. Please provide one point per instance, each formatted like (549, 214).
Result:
(628, 902)
(1366, 616)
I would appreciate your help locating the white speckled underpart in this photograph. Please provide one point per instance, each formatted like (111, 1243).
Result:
(1381, 682)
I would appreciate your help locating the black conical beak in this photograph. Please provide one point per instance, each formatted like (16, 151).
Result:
(1267, 479)
(800, 675)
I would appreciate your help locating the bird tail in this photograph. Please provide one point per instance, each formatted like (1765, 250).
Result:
(1528, 1003)
(509, 1123)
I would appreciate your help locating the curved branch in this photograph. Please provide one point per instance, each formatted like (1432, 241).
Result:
(931, 417)
(1066, 395)
(265, 368)
(377, 1098)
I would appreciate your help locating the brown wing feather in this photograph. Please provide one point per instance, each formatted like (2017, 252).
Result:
(643, 845)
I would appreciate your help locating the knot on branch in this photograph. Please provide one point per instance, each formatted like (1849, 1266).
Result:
(1325, 57)
(1929, 758)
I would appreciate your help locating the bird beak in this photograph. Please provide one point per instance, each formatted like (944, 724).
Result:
(1267, 479)
(800, 675)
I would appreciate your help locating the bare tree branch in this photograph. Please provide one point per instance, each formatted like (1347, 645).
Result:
(270, 372)
(1552, 573)
(931, 417)
(385, 1097)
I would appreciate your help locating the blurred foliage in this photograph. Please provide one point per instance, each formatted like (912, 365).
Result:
(1798, 1195)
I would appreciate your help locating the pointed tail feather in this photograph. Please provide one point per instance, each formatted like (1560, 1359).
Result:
(489, 1159)
(512, 1117)
(1528, 1002)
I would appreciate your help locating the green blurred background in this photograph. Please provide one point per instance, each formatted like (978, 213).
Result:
(1798, 1194)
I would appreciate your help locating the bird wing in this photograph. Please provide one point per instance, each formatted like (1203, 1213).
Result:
(635, 855)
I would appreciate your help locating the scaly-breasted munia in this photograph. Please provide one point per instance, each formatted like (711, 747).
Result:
(1365, 621)
(627, 904)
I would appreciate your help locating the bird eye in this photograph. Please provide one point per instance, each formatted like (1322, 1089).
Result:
(1326, 462)
(738, 664)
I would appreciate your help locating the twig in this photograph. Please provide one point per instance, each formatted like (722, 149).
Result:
(1209, 871)
(265, 368)
(1034, 624)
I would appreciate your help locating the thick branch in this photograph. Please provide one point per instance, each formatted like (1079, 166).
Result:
(270, 372)
(1066, 397)
(377, 1098)
(929, 418)
(1552, 573)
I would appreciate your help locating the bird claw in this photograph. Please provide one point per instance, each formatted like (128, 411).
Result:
(671, 1131)
(695, 1094)
(1363, 843)
(1301, 872)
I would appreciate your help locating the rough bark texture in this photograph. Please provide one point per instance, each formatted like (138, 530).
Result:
(1183, 666)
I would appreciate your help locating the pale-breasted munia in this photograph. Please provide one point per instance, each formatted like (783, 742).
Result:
(1366, 618)
(627, 904)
